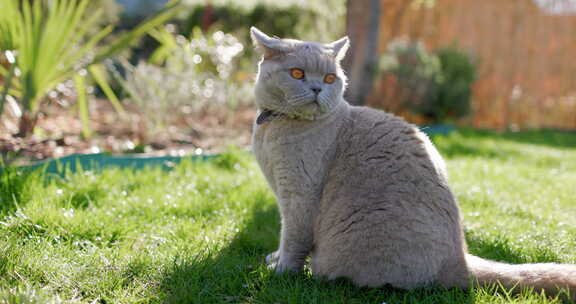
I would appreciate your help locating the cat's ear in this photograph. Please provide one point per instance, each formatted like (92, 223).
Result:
(269, 46)
(340, 47)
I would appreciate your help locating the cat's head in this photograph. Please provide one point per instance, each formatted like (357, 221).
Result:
(298, 79)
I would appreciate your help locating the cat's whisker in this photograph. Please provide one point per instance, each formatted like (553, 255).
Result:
(299, 97)
(301, 102)
(324, 103)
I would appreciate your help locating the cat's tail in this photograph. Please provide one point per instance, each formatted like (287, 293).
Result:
(550, 277)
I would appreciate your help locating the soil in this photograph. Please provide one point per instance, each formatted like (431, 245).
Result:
(59, 133)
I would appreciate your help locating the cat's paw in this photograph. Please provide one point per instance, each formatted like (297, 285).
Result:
(281, 264)
(280, 267)
(273, 257)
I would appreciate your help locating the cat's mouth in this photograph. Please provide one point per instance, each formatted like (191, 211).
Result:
(268, 115)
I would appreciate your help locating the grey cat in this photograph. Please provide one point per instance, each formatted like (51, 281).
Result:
(360, 191)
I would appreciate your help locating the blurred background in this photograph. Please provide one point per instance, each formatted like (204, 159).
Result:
(176, 77)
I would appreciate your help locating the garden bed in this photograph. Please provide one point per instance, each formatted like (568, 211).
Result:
(59, 132)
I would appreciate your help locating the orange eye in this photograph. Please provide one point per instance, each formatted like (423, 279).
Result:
(329, 78)
(297, 73)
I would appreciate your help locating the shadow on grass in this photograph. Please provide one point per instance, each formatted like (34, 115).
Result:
(501, 249)
(221, 276)
(544, 137)
(469, 149)
(237, 273)
(488, 144)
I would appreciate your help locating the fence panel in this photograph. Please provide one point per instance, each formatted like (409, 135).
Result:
(525, 51)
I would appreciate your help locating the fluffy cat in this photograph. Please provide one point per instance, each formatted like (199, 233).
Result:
(360, 191)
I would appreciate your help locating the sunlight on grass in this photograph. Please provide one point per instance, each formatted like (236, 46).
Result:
(199, 233)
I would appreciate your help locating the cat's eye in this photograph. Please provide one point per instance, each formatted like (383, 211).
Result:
(297, 73)
(329, 78)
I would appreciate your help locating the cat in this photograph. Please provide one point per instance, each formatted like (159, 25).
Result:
(360, 191)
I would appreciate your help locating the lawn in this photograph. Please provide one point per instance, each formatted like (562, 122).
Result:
(199, 233)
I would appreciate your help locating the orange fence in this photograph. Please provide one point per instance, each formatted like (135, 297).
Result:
(525, 51)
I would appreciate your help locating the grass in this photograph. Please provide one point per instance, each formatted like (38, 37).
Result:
(199, 233)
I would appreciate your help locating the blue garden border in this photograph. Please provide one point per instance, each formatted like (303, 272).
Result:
(97, 162)
(437, 129)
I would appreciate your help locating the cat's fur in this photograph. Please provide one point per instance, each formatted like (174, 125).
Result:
(362, 192)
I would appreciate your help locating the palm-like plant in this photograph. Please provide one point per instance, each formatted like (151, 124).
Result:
(50, 41)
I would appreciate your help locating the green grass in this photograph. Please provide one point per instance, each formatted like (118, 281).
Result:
(199, 233)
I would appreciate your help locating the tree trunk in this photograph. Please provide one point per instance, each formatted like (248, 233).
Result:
(361, 64)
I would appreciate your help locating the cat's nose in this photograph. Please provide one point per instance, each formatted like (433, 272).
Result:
(316, 90)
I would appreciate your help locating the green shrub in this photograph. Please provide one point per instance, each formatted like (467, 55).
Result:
(454, 92)
(312, 20)
(438, 83)
(276, 20)
(417, 71)
(186, 75)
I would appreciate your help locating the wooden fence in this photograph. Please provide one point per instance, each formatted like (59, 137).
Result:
(525, 51)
